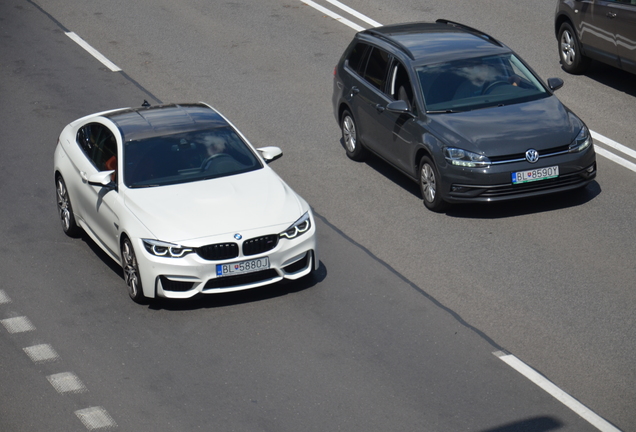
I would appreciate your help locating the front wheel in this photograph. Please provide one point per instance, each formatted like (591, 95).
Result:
(65, 209)
(572, 59)
(353, 145)
(430, 185)
(131, 272)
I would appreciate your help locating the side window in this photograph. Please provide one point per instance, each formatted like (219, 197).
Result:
(99, 145)
(357, 57)
(400, 87)
(377, 67)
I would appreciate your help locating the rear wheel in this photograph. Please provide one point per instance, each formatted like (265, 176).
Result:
(353, 146)
(65, 209)
(572, 59)
(131, 272)
(430, 185)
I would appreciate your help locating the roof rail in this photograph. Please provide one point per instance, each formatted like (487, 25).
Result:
(473, 30)
(393, 42)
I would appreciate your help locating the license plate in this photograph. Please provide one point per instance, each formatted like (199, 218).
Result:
(535, 174)
(242, 267)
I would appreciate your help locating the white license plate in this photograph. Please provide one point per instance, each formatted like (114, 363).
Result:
(535, 174)
(242, 267)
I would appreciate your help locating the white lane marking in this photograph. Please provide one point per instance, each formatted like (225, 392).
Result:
(95, 418)
(611, 156)
(41, 353)
(567, 400)
(610, 142)
(333, 15)
(17, 324)
(67, 382)
(355, 13)
(4, 298)
(99, 56)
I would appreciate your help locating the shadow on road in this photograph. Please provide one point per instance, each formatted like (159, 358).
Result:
(536, 424)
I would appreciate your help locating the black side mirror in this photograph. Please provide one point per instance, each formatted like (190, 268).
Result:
(555, 83)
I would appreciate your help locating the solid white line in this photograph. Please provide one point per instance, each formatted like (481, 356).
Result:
(355, 13)
(81, 42)
(567, 400)
(333, 15)
(613, 144)
(611, 156)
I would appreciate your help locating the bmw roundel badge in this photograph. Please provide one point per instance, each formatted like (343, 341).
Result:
(238, 236)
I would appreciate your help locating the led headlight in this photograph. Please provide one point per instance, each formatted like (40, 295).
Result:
(464, 158)
(582, 141)
(165, 249)
(299, 227)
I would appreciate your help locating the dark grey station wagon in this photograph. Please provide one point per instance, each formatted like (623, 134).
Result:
(458, 112)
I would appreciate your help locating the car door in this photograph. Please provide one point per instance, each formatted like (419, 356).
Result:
(396, 131)
(370, 99)
(625, 33)
(99, 146)
(596, 30)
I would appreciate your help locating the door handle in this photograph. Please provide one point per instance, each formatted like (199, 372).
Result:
(379, 108)
(83, 176)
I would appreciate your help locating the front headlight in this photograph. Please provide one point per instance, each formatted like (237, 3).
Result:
(299, 227)
(464, 158)
(582, 141)
(165, 249)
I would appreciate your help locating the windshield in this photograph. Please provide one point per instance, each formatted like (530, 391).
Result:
(186, 157)
(476, 83)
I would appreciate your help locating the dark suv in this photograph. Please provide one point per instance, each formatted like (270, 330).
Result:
(604, 30)
(458, 112)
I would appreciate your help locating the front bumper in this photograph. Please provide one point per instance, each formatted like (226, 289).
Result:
(186, 277)
(491, 184)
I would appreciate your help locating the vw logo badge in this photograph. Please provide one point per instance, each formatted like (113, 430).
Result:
(532, 155)
(238, 236)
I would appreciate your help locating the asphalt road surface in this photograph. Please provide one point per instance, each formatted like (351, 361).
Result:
(399, 328)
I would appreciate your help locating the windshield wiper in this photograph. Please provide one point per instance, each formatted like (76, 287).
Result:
(450, 111)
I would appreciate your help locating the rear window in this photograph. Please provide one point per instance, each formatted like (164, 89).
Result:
(186, 157)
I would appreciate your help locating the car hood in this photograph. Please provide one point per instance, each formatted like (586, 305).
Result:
(233, 204)
(498, 131)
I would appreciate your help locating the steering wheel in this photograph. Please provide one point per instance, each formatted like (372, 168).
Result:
(214, 156)
(490, 87)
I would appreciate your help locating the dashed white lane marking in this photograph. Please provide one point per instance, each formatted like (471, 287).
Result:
(96, 418)
(17, 324)
(4, 298)
(548, 386)
(41, 353)
(92, 51)
(66, 382)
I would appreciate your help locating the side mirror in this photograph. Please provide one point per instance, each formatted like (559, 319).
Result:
(270, 154)
(555, 83)
(398, 106)
(101, 179)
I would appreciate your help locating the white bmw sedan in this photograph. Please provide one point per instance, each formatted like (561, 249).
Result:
(182, 201)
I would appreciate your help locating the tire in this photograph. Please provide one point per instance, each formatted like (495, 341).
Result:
(131, 272)
(572, 59)
(65, 209)
(430, 185)
(353, 146)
